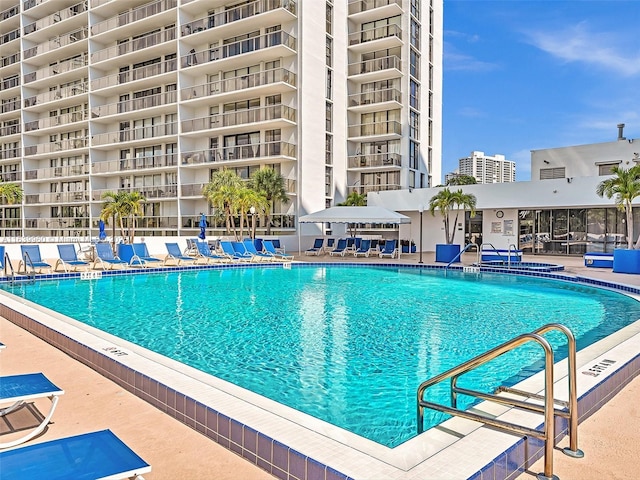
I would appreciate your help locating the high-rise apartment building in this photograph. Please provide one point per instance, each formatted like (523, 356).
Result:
(111, 95)
(487, 169)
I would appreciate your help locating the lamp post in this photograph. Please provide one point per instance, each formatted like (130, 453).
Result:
(252, 211)
(421, 211)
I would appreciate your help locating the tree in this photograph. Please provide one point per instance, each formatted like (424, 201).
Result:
(271, 185)
(462, 180)
(221, 192)
(133, 202)
(10, 193)
(625, 186)
(245, 199)
(354, 199)
(445, 201)
(113, 208)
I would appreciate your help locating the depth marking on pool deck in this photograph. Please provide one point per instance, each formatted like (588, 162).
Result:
(115, 351)
(598, 368)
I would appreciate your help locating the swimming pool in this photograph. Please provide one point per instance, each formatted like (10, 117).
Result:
(322, 339)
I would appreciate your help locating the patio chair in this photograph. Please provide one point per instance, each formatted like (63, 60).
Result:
(106, 258)
(341, 248)
(270, 249)
(388, 249)
(20, 389)
(31, 257)
(174, 253)
(205, 253)
(90, 455)
(251, 249)
(278, 246)
(142, 257)
(192, 247)
(68, 259)
(331, 243)
(364, 249)
(229, 251)
(318, 245)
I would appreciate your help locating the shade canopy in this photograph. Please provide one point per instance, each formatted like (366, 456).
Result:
(355, 215)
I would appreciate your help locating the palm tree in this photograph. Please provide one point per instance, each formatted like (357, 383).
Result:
(221, 192)
(355, 199)
(10, 193)
(133, 202)
(245, 200)
(625, 185)
(445, 201)
(114, 209)
(271, 185)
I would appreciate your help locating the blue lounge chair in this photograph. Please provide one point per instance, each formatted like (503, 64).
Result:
(270, 249)
(363, 249)
(230, 252)
(341, 248)
(174, 253)
(106, 258)
(241, 252)
(389, 249)
(251, 249)
(68, 258)
(31, 258)
(278, 246)
(22, 388)
(142, 257)
(318, 245)
(331, 243)
(205, 253)
(91, 455)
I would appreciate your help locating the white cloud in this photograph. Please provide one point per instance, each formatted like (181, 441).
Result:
(599, 49)
(453, 60)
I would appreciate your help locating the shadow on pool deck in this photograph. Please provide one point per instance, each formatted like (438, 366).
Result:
(609, 438)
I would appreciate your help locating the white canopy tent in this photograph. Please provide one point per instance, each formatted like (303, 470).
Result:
(355, 215)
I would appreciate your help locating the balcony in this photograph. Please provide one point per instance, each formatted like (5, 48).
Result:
(133, 15)
(140, 163)
(242, 47)
(377, 68)
(10, 60)
(140, 73)
(56, 69)
(237, 84)
(389, 130)
(133, 134)
(9, 12)
(387, 36)
(157, 222)
(56, 42)
(10, 130)
(375, 161)
(241, 12)
(150, 101)
(369, 10)
(58, 120)
(242, 117)
(10, 153)
(56, 172)
(56, 17)
(371, 101)
(148, 191)
(52, 147)
(135, 45)
(58, 94)
(11, 176)
(57, 197)
(10, 36)
(12, 82)
(56, 223)
(10, 106)
(364, 189)
(252, 152)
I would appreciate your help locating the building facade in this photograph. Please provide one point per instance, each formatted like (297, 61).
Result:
(107, 96)
(487, 169)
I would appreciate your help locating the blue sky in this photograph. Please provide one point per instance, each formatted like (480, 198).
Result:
(523, 75)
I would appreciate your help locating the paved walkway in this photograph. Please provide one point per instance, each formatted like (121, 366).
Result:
(610, 438)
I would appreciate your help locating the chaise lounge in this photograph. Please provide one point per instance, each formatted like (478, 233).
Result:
(68, 259)
(106, 258)
(31, 257)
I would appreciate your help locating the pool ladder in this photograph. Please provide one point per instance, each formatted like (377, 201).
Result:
(568, 410)
(494, 249)
(9, 272)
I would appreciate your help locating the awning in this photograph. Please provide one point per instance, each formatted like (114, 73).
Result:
(355, 215)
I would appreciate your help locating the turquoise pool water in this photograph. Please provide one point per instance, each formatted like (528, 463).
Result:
(347, 345)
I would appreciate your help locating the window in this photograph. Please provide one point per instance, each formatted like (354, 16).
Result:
(549, 173)
(605, 168)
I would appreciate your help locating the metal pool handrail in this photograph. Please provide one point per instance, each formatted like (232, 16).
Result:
(547, 434)
(467, 247)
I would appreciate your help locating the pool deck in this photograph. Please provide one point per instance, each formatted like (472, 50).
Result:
(610, 438)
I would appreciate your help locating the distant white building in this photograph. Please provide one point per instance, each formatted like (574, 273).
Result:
(487, 169)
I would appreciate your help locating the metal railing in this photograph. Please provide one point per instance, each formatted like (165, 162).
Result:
(7, 263)
(132, 15)
(569, 409)
(241, 82)
(457, 257)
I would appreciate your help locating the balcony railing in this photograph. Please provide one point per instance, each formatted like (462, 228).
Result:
(55, 121)
(157, 222)
(10, 83)
(239, 83)
(132, 134)
(57, 42)
(150, 101)
(375, 65)
(9, 36)
(58, 197)
(241, 117)
(357, 6)
(140, 163)
(10, 59)
(9, 12)
(376, 33)
(238, 48)
(243, 152)
(9, 153)
(10, 106)
(57, 223)
(133, 15)
(11, 176)
(56, 146)
(61, 67)
(149, 191)
(135, 74)
(362, 189)
(55, 172)
(10, 130)
(380, 96)
(390, 127)
(375, 160)
(56, 95)
(135, 45)
(56, 17)
(238, 13)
